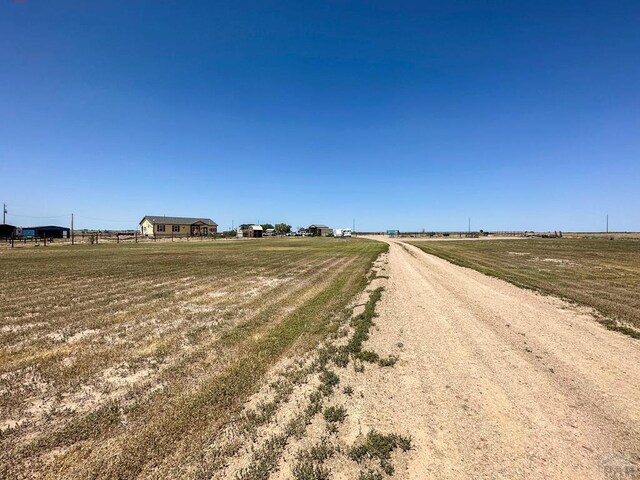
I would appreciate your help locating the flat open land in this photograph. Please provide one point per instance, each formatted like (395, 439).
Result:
(122, 361)
(317, 359)
(599, 273)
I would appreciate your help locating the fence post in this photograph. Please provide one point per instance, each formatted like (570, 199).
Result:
(136, 235)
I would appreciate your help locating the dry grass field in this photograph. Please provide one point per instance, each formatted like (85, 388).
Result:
(597, 272)
(124, 361)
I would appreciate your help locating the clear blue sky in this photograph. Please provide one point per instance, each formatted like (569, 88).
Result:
(410, 115)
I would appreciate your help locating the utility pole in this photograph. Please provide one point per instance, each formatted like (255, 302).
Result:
(4, 213)
(72, 239)
(607, 223)
(354, 226)
(469, 224)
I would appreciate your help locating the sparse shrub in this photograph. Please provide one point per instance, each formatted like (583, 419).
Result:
(307, 470)
(314, 407)
(328, 379)
(335, 414)
(367, 356)
(390, 361)
(309, 462)
(318, 453)
(324, 355)
(370, 475)
(378, 446)
(348, 390)
(341, 357)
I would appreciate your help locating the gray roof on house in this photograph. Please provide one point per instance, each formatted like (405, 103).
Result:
(318, 226)
(178, 220)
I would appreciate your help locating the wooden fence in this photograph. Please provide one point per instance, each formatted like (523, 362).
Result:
(101, 237)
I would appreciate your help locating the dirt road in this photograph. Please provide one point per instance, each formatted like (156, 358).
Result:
(499, 382)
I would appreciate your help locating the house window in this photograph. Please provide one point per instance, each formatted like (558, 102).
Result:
(175, 228)
(161, 228)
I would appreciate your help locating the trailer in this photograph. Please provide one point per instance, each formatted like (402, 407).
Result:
(342, 232)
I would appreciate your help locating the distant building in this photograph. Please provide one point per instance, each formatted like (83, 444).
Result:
(7, 231)
(48, 231)
(319, 230)
(153, 226)
(252, 231)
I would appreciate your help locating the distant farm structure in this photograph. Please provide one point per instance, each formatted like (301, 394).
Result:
(253, 231)
(160, 226)
(319, 230)
(47, 231)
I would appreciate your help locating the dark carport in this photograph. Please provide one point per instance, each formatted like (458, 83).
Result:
(48, 231)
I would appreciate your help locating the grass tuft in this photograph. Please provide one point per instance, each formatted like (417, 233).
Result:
(328, 380)
(335, 414)
(390, 361)
(378, 446)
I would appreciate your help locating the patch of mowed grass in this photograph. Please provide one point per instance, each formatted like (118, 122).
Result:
(597, 272)
(202, 387)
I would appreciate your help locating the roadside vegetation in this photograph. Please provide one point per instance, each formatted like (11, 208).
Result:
(601, 273)
(124, 361)
(308, 434)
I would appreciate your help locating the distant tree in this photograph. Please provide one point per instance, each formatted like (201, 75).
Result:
(266, 226)
(282, 228)
(244, 226)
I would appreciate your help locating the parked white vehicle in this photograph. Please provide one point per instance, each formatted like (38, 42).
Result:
(342, 232)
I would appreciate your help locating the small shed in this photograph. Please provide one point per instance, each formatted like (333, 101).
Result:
(253, 231)
(319, 230)
(393, 233)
